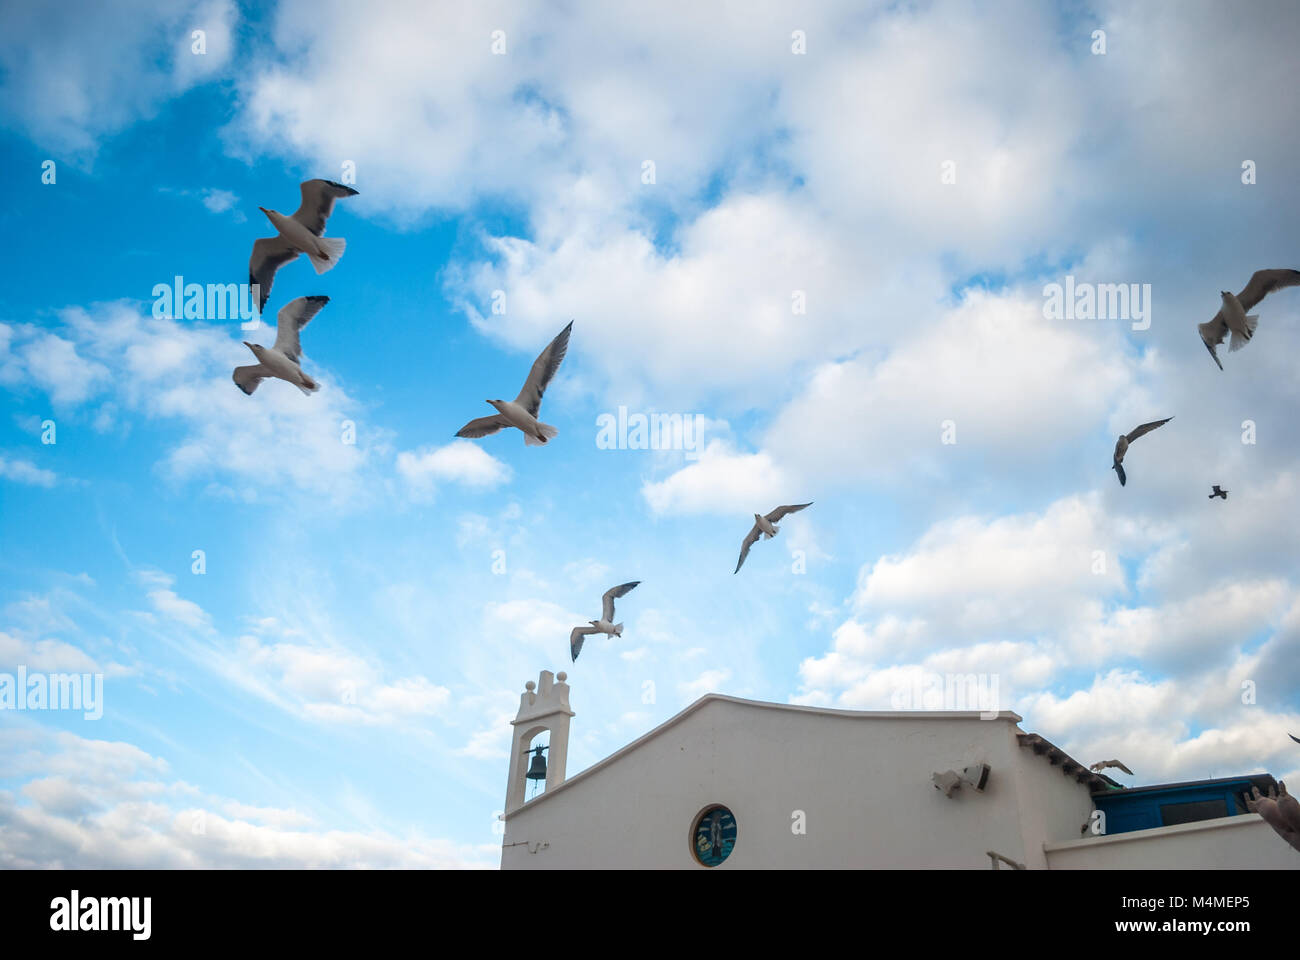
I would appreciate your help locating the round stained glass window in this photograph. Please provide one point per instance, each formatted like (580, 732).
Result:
(714, 836)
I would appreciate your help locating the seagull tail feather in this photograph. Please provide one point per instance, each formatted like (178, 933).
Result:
(1240, 340)
(618, 629)
(547, 432)
(334, 246)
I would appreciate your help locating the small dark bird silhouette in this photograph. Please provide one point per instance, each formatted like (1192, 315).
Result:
(1219, 492)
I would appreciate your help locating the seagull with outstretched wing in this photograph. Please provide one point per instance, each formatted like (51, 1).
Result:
(1121, 445)
(1107, 764)
(1219, 492)
(523, 410)
(1232, 317)
(765, 526)
(300, 232)
(283, 360)
(605, 624)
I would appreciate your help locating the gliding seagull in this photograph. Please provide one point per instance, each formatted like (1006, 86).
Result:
(1232, 317)
(766, 526)
(283, 360)
(1121, 445)
(299, 233)
(605, 624)
(1104, 764)
(522, 411)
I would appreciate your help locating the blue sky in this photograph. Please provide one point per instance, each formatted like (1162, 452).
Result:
(335, 688)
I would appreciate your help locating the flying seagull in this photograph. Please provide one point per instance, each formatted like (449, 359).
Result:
(299, 233)
(1104, 764)
(1121, 445)
(766, 526)
(1219, 492)
(1232, 317)
(522, 411)
(605, 624)
(283, 360)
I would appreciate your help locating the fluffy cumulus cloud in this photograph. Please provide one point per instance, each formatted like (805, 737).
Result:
(718, 480)
(1040, 610)
(71, 76)
(94, 804)
(457, 462)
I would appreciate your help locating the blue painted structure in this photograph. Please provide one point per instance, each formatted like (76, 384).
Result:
(1166, 804)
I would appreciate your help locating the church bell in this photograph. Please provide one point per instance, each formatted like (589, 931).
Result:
(537, 769)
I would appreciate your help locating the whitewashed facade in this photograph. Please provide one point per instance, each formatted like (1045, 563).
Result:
(808, 787)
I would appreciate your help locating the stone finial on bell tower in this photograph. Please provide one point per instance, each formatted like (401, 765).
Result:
(543, 706)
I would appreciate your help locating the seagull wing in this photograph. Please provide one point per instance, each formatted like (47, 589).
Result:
(318, 198)
(544, 367)
(269, 255)
(1294, 737)
(1264, 282)
(247, 378)
(1213, 333)
(612, 594)
(576, 637)
(293, 316)
(482, 427)
(780, 512)
(1146, 428)
(744, 547)
(1103, 764)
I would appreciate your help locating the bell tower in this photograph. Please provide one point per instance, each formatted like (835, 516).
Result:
(543, 706)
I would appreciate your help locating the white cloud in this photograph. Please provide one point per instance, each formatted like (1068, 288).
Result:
(71, 79)
(54, 364)
(718, 481)
(170, 604)
(24, 471)
(973, 574)
(328, 683)
(179, 373)
(101, 805)
(460, 461)
(46, 656)
(710, 681)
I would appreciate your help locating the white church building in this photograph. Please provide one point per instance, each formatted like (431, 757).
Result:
(742, 784)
